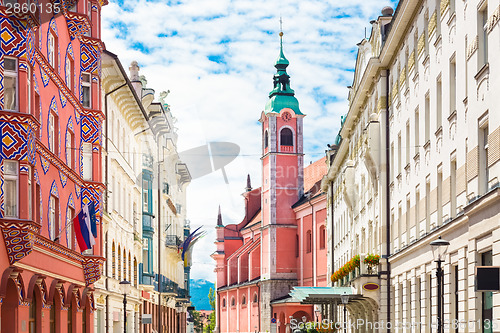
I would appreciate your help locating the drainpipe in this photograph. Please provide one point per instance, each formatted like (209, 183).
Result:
(313, 250)
(159, 242)
(387, 199)
(258, 307)
(332, 312)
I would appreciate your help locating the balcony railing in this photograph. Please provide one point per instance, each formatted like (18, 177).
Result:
(172, 240)
(182, 293)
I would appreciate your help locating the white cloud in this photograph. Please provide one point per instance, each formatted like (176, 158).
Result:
(174, 42)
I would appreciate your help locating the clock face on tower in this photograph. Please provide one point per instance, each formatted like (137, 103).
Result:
(286, 116)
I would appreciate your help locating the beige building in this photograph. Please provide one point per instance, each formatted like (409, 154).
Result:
(420, 145)
(145, 208)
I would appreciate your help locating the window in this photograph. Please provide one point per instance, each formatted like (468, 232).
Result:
(399, 152)
(28, 89)
(54, 132)
(296, 246)
(440, 196)
(482, 18)
(224, 302)
(86, 91)
(54, 217)
(113, 258)
(453, 188)
(52, 49)
(392, 166)
(453, 85)
(308, 241)
(10, 84)
(87, 161)
(129, 267)
(407, 150)
(30, 195)
(11, 188)
(70, 152)
(286, 137)
(439, 103)
(145, 254)
(487, 297)
(266, 139)
(69, 71)
(427, 205)
(483, 160)
(243, 300)
(417, 210)
(427, 118)
(407, 215)
(233, 302)
(69, 226)
(322, 237)
(145, 195)
(135, 271)
(417, 129)
(33, 313)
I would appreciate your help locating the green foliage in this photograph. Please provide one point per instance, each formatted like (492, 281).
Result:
(197, 321)
(211, 324)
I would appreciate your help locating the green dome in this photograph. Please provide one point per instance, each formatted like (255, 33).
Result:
(278, 102)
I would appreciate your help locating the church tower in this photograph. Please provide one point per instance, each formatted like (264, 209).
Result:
(282, 186)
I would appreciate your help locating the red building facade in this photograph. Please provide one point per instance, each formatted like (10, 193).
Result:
(50, 165)
(281, 242)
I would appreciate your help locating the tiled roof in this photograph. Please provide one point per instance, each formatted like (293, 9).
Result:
(314, 172)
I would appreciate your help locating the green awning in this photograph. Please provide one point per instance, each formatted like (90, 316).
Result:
(320, 295)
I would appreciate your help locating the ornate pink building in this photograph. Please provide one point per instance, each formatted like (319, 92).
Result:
(281, 241)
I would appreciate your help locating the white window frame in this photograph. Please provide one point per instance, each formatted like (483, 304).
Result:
(11, 176)
(69, 149)
(69, 72)
(12, 74)
(145, 261)
(30, 195)
(28, 84)
(52, 216)
(87, 161)
(51, 49)
(87, 84)
(54, 131)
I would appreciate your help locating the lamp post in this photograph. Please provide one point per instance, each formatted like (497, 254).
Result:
(125, 289)
(345, 299)
(439, 248)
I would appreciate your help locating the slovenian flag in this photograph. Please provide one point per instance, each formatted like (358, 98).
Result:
(85, 227)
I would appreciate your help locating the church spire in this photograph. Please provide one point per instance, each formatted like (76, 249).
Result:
(219, 219)
(249, 184)
(282, 95)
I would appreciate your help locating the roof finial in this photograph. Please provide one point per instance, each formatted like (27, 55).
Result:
(249, 184)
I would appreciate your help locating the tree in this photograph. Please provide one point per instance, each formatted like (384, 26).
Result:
(211, 319)
(198, 325)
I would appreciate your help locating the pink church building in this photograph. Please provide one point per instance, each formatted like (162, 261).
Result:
(281, 241)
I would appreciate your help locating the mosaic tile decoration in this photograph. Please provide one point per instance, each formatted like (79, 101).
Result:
(89, 55)
(17, 140)
(18, 238)
(77, 25)
(63, 99)
(91, 127)
(35, 83)
(63, 178)
(30, 45)
(44, 76)
(78, 191)
(13, 37)
(92, 268)
(2, 203)
(2, 95)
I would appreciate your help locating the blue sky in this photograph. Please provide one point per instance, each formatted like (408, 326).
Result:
(216, 57)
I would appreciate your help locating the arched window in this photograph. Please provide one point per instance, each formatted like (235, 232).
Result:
(135, 271)
(255, 298)
(322, 237)
(233, 302)
(286, 137)
(32, 313)
(119, 259)
(129, 267)
(266, 139)
(224, 302)
(243, 300)
(124, 264)
(308, 241)
(113, 257)
(52, 317)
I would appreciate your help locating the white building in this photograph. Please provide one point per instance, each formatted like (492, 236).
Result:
(428, 73)
(145, 211)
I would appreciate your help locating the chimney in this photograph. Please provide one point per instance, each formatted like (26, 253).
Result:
(134, 78)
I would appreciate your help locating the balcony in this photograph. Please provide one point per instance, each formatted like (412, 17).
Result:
(169, 287)
(172, 240)
(183, 294)
(147, 223)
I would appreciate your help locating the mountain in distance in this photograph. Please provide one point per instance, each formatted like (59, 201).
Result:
(199, 289)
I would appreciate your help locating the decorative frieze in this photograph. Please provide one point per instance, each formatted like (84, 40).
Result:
(411, 61)
(432, 24)
(382, 103)
(445, 4)
(421, 44)
(493, 20)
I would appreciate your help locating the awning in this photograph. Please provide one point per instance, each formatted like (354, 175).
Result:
(320, 295)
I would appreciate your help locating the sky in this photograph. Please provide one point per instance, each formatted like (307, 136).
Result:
(216, 57)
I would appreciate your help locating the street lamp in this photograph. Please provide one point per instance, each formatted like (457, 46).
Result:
(345, 299)
(439, 248)
(125, 289)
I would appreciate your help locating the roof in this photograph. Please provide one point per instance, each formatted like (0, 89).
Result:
(320, 295)
(314, 172)
(255, 220)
